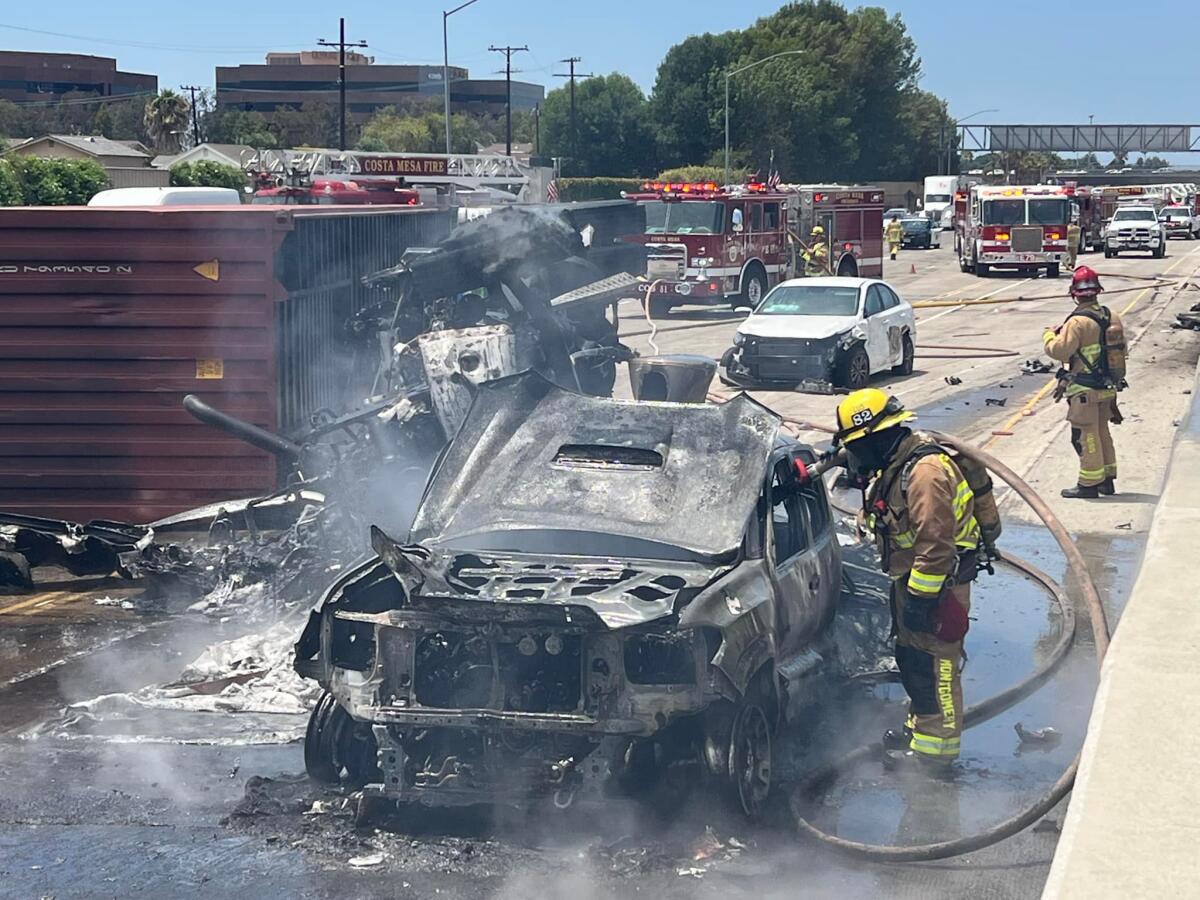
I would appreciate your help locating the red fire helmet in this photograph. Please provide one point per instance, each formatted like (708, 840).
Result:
(1085, 282)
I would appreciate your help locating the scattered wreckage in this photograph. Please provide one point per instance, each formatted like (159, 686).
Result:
(518, 289)
(593, 592)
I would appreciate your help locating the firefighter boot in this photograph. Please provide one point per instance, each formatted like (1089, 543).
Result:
(901, 762)
(1107, 487)
(897, 738)
(1082, 492)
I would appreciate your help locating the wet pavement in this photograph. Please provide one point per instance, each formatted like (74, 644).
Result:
(191, 802)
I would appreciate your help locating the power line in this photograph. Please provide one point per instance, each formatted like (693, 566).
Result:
(82, 101)
(571, 61)
(508, 52)
(144, 45)
(341, 45)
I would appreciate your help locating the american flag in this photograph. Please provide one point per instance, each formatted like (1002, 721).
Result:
(773, 181)
(552, 191)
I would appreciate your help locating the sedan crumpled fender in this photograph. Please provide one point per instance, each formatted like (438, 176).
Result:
(742, 607)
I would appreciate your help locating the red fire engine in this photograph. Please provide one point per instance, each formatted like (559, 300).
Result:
(332, 191)
(711, 244)
(1021, 227)
(1090, 207)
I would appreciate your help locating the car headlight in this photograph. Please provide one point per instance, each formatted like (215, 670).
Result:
(701, 261)
(738, 339)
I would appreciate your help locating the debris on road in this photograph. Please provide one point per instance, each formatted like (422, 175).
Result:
(995, 401)
(366, 861)
(1125, 526)
(1037, 738)
(952, 380)
(1047, 826)
(1035, 367)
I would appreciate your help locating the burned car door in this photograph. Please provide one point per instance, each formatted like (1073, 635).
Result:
(794, 562)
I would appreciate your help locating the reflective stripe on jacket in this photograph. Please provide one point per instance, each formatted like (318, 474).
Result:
(925, 523)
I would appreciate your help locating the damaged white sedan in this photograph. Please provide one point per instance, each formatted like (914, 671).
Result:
(818, 334)
(595, 594)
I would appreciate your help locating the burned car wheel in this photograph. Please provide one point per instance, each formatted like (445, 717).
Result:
(338, 750)
(750, 759)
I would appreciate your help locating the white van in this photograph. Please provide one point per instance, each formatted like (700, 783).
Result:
(167, 196)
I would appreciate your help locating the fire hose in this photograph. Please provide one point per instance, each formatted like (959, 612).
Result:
(985, 709)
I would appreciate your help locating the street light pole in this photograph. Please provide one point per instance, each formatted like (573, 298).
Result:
(446, 66)
(730, 73)
(950, 137)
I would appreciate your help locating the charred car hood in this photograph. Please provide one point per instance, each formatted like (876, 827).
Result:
(532, 456)
(619, 592)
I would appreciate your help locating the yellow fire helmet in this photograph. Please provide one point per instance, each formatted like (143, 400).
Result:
(817, 229)
(866, 411)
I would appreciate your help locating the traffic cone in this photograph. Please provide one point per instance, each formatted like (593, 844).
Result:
(912, 268)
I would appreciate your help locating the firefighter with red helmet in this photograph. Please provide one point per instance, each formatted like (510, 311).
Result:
(1091, 342)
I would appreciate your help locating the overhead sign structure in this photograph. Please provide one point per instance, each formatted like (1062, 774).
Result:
(1081, 138)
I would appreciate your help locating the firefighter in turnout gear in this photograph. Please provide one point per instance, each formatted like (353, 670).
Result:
(921, 510)
(1092, 343)
(895, 235)
(816, 257)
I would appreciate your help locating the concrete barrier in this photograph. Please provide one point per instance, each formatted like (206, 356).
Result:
(1133, 826)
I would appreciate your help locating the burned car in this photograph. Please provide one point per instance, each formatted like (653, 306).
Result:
(594, 593)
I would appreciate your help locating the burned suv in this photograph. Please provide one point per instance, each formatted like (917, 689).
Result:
(594, 593)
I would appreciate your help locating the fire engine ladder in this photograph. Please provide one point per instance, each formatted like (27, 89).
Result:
(462, 169)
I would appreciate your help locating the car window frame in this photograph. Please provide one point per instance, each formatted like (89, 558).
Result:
(887, 292)
(867, 314)
(797, 516)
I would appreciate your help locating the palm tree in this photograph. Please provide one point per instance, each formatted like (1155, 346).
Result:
(166, 120)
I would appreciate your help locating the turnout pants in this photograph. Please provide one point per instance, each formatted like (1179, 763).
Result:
(931, 672)
(893, 248)
(1089, 414)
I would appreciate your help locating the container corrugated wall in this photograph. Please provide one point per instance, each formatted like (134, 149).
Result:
(321, 263)
(111, 316)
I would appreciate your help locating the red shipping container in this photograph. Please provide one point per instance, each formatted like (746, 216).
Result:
(111, 316)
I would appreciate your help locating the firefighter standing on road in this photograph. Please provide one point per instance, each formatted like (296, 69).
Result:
(1074, 232)
(816, 257)
(895, 235)
(1092, 344)
(921, 510)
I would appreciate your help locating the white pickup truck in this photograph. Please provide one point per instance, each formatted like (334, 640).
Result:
(1179, 221)
(1134, 228)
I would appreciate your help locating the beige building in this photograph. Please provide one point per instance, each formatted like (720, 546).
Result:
(126, 162)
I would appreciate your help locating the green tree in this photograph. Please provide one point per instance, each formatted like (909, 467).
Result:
(391, 130)
(687, 104)
(167, 121)
(235, 126)
(207, 173)
(613, 118)
(10, 185)
(57, 182)
(1151, 162)
(847, 108)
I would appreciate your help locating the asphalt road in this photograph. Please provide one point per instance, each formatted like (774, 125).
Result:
(169, 802)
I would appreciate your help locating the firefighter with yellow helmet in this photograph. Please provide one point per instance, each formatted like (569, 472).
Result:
(816, 256)
(921, 509)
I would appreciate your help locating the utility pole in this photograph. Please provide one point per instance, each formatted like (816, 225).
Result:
(508, 52)
(195, 116)
(571, 61)
(341, 45)
(537, 130)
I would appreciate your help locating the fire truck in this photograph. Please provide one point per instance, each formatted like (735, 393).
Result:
(1022, 227)
(333, 191)
(712, 244)
(1089, 206)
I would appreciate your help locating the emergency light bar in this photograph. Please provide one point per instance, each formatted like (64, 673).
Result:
(681, 187)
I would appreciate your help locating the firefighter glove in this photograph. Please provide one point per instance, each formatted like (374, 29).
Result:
(1115, 417)
(920, 613)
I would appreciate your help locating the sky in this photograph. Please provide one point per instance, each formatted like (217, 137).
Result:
(1035, 62)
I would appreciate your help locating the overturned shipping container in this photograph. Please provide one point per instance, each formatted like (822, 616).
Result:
(112, 316)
